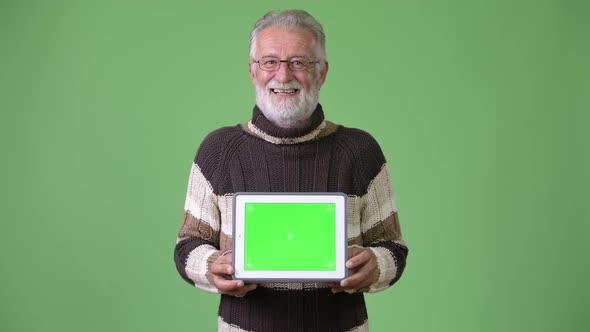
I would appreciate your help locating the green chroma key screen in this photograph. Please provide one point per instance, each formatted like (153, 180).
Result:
(290, 237)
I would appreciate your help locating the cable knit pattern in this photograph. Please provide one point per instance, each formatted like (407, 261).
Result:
(318, 157)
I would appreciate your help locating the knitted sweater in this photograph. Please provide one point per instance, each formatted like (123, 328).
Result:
(320, 157)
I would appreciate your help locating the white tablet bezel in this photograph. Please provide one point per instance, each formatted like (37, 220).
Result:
(240, 199)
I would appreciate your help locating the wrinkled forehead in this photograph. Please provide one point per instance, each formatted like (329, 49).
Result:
(285, 42)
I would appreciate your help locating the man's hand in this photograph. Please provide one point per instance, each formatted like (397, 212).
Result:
(221, 270)
(362, 266)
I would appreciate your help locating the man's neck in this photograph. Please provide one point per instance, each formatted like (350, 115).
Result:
(298, 124)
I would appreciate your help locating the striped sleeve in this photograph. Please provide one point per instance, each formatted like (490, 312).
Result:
(197, 245)
(381, 230)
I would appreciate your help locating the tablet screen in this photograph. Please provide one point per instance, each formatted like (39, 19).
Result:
(289, 236)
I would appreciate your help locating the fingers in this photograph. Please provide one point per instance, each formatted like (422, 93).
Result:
(222, 265)
(353, 283)
(362, 266)
(244, 290)
(227, 285)
(359, 257)
(360, 279)
(353, 251)
(221, 271)
(218, 268)
(232, 287)
(336, 288)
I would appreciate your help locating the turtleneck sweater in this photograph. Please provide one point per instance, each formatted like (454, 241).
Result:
(259, 156)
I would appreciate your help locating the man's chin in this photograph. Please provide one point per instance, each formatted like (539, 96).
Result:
(286, 112)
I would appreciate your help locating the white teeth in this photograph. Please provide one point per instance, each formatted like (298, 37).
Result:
(284, 90)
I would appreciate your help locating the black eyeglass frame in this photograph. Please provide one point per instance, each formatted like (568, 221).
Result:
(289, 63)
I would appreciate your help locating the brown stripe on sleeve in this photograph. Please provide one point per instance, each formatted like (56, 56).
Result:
(193, 227)
(357, 240)
(388, 230)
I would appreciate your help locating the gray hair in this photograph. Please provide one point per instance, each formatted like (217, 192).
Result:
(294, 18)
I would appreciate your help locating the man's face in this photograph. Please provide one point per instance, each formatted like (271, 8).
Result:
(286, 97)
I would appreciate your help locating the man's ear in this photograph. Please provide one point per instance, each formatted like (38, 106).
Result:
(323, 74)
(252, 72)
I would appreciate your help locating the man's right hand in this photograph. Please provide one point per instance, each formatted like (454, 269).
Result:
(221, 270)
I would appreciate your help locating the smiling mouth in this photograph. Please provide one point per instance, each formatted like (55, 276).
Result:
(284, 91)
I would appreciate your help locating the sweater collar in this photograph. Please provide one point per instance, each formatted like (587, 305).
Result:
(268, 131)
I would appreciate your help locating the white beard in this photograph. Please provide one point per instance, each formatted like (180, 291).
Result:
(287, 112)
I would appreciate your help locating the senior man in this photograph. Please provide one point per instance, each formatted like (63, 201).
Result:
(288, 146)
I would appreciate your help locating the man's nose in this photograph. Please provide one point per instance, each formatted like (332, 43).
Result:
(284, 73)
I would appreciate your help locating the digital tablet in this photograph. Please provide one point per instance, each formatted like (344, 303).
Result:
(289, 237)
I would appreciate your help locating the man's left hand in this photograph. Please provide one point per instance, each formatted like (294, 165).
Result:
(362, 267)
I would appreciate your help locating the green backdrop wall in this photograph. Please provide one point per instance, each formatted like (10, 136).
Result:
(481, 108)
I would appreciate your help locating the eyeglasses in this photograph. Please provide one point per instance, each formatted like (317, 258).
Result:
(269, 63)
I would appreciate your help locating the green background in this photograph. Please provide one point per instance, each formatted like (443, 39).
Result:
(303, 239)
(481, 108)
